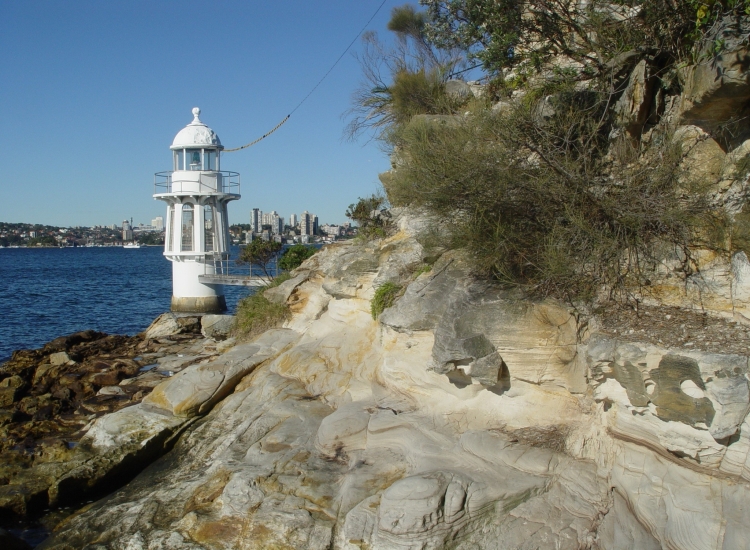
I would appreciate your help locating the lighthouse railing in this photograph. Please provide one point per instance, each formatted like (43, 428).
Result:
(216, 261)
(219, 263)
(184, 181)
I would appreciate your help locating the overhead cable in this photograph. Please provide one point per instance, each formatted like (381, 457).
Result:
(280, 124)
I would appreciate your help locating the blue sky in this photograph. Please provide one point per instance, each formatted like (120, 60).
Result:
(93, 92)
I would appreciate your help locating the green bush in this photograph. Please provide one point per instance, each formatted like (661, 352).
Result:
(293, 256)
(384, 297)
(256, 314)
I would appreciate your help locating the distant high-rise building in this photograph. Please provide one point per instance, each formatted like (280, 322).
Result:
(293, 221)
(314, 224)
(127, 231)
(158, 223)
(256, 220)
(277, 224)
(305, 223)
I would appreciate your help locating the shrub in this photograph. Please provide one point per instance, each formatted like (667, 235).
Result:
(293, 256)
(536, 201)
(256, 314)
(384, 297)
(261, 254)
(371, 221)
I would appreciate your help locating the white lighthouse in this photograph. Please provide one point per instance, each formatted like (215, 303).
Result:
(197, 192)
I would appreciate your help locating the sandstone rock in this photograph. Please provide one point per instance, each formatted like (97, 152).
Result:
(197, 388)
(281, 293)
(217, 327)
(59, 358)
(632, 109)
(704, 158)
(718, 88)
(334, 433)
(111, 390)
(164, 325)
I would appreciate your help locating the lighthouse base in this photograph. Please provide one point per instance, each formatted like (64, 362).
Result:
(199, 304)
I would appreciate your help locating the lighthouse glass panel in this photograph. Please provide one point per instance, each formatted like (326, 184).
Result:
(179, 160)
(194, 159)
(168, 236)
(209, 230)
(209, 160)
(187, 228)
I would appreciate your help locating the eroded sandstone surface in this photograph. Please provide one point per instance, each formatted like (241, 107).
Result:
(466, 416)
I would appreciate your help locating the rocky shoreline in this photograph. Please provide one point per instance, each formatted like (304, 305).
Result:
(465, 416)
(50, 397)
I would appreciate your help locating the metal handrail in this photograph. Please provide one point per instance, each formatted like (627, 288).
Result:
(226, 182)
(219, 261)
(222, 265)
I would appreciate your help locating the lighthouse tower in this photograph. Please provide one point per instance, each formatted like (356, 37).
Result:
(197, 192)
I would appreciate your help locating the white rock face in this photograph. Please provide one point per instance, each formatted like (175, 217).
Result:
(466, 417)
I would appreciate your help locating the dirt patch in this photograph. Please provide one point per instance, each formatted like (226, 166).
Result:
(672, 327)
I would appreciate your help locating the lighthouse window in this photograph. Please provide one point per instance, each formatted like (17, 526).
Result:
(209, 160)
(194, 159)
(208, 228)
(187, 228)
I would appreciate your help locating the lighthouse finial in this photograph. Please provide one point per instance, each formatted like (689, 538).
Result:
(196, 112)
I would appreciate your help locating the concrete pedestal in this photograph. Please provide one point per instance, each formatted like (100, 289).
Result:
(199, 304)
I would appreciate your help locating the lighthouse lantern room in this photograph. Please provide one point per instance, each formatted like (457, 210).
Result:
(197, 192)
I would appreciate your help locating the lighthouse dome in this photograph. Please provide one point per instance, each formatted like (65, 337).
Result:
(196, 134)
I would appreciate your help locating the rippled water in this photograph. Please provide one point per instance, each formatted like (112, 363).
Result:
(50, 292)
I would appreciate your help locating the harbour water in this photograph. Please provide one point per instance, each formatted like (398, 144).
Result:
(50, 292)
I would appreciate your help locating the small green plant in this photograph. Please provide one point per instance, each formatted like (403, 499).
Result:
(426, 268)
(256, 314)
(384, 297)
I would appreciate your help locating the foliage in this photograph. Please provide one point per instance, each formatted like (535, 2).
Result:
(528, 34)
(402, 80)
(538, 203)
(256, 314)
(366, 212)
(384, 297)
(555, 191)
(295, 255)
(151, 238)
(261, 254)
(707, 11)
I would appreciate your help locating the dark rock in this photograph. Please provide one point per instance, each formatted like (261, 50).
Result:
(65, 343)
(9, 542)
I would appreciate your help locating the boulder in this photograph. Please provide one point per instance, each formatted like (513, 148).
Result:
(458, 89)
(281, 293)
(164, 325)
(217, 327)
